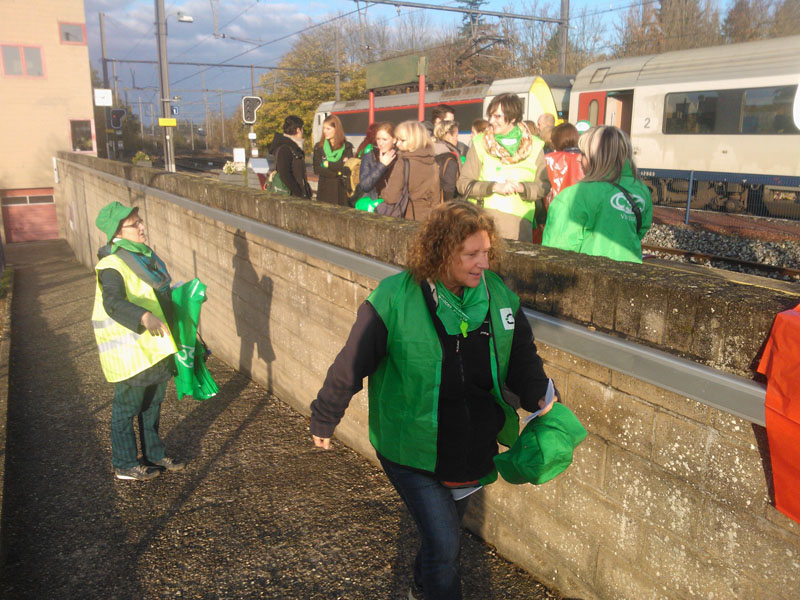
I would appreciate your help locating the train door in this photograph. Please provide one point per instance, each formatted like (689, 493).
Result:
(619, 108)
(592, 107)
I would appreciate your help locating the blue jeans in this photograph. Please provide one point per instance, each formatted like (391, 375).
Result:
(438, 519)
(144, 403)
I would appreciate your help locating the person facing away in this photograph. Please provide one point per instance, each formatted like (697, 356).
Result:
(438, 343)
(415, 153)
(377, 164)
(290, 159)
(505, 169)
(598, 215)
(330, 154)
(448, 157)
(564, 164)
(546, 122)
(131, 320)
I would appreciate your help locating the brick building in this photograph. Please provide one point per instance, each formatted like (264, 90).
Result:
(46, 100)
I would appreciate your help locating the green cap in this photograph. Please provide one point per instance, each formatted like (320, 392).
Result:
(110, 216)
(544, 448)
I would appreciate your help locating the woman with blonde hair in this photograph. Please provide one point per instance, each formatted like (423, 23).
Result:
(412, 189)
(438, 343)
(609, 211)
(330, 154)
(448, 157)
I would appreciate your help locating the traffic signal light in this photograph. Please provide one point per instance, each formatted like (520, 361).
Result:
(116, 117)
(250, 105)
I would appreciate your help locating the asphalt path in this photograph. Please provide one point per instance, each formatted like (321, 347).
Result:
(258, 512)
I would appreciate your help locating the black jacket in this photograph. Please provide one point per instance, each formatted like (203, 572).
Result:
(469, 419)
(334, 177)
(373, 174)
(290, 163)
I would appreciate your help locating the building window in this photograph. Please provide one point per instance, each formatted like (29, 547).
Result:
(72, 33)
(81, 136)
(22, 60)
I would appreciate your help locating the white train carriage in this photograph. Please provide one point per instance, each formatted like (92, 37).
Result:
(726, 118)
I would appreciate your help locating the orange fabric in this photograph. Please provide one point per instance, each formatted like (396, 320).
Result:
(781, 364)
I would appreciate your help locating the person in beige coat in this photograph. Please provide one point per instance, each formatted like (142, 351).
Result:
(415, 146)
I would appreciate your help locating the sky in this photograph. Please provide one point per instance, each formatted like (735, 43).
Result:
(130, 35)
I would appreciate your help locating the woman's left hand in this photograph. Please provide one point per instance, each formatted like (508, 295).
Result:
(550, 407)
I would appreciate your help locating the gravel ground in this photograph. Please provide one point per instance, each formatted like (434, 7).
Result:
(785, 253)
(258, 513)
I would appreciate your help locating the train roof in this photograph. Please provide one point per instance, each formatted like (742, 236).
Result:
(779, 56)
(473, 92)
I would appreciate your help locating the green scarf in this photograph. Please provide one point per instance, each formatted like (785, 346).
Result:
(135, 247)
(367, 149)
(462, 314)
(332, 155)
(510, 140)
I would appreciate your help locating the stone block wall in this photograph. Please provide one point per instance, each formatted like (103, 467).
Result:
(666, 498)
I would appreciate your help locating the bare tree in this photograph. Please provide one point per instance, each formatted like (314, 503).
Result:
(786, 20)
(747, 20)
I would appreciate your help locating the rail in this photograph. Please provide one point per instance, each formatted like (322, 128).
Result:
(729, 393)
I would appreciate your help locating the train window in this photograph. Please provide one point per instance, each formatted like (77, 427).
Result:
(769, 110)
(594, 110)
(702, 112)
(599, 75)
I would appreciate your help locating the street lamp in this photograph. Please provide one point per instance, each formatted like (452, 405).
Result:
(163, 75)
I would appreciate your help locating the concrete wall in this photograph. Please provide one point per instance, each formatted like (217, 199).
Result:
(667, 497)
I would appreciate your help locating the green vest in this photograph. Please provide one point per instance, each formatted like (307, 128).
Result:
(492, 169)
(124, 353)
(404, 390)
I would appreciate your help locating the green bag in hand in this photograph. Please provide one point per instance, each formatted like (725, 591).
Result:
(192, 378)
(276, 185)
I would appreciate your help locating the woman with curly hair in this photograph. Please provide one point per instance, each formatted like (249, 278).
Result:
(438, 343)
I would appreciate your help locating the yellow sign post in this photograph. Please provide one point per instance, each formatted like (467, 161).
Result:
(162, 122)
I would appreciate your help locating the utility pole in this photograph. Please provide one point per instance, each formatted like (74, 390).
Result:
(141, 121)
(563, 37)
(191, 132)
(221, 117)
(161, 38)
(205, 107)
(337, 63)
(109, 153)
(152, 124)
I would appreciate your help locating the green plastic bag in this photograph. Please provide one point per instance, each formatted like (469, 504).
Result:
(192, 377)
(368, 204)
(276, 185)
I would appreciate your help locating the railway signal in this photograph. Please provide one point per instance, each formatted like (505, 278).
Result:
(250, 105)
(116, 117)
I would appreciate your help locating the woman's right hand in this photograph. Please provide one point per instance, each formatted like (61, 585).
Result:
(386, 158)
(154, 325)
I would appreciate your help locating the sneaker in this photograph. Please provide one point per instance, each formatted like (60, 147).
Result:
(415, 592)
(170, 464)
(139, 473)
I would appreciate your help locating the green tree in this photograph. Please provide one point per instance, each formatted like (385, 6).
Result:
(306, 80)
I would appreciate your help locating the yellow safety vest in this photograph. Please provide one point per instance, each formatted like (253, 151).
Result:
(124, 353)
(492, 169)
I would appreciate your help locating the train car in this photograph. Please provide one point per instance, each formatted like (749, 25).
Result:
(725, 120)
(546, 93)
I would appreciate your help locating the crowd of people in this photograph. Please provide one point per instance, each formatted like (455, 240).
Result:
(440, 341)
(523, 173)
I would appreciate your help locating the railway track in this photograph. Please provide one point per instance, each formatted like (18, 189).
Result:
(725, 262)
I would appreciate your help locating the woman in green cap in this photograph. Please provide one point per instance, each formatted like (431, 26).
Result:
(438, 343)
(132, 312)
